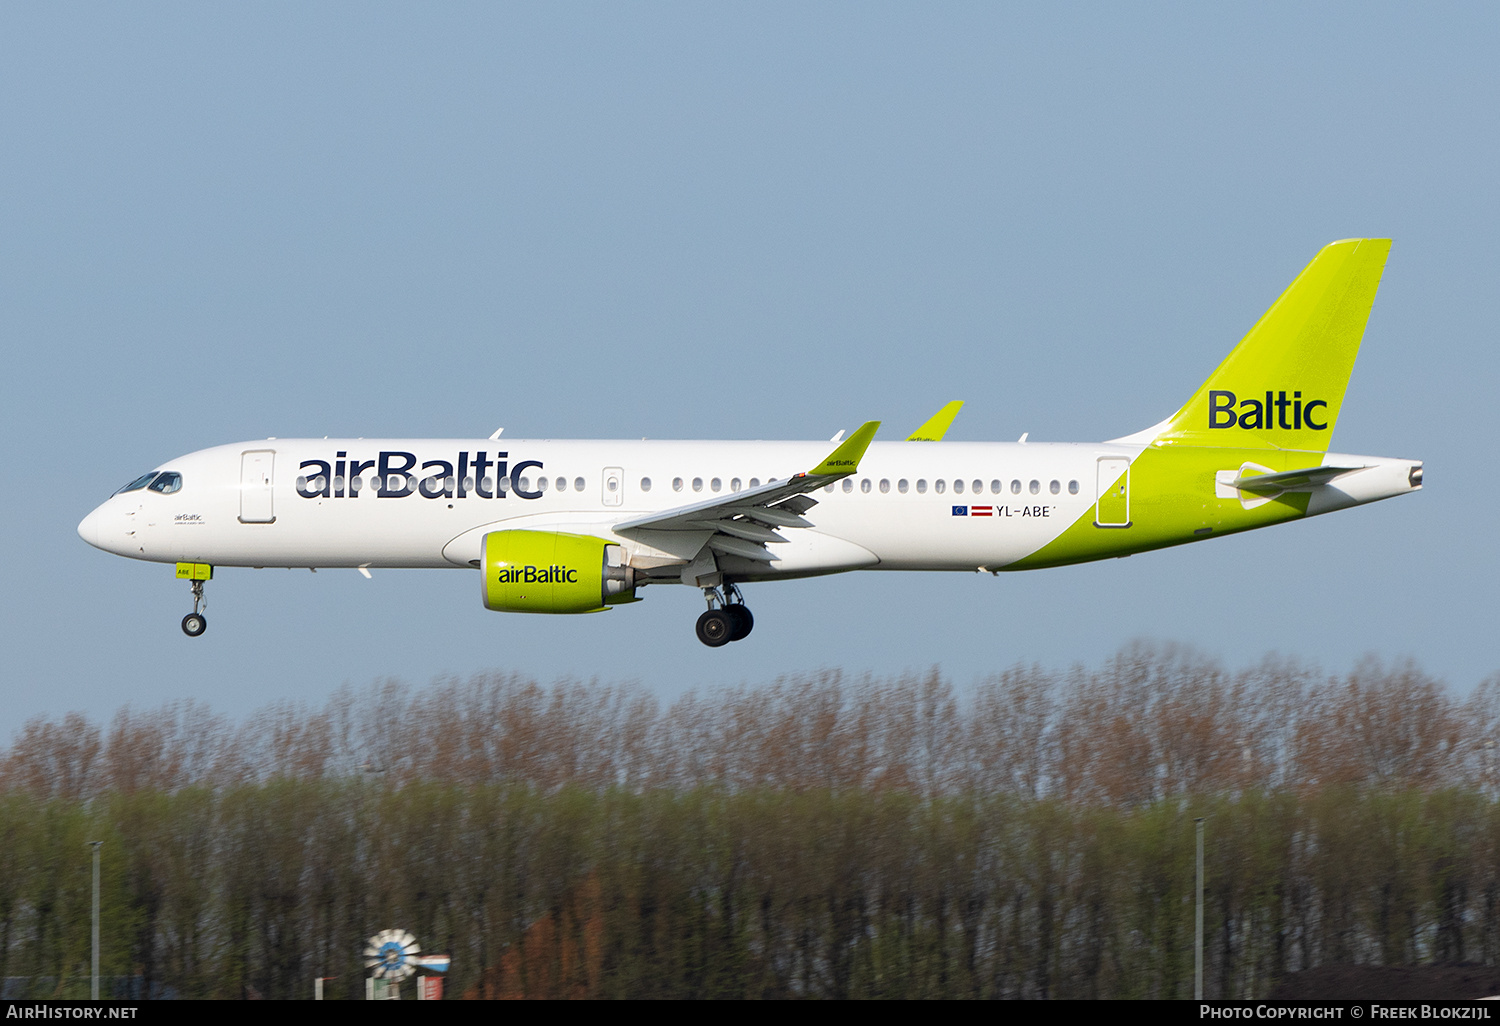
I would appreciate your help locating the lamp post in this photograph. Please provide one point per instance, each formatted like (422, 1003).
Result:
(94, 985)
(1198, 920)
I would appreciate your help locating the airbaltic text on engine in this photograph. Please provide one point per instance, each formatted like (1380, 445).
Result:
(531, 575)
(553, 572)
(394, 477)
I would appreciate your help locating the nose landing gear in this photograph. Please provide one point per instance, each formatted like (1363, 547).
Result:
(195, 623)
(727, 619)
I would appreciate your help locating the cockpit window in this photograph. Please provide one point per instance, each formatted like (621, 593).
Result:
(167, 482)
(138, 483)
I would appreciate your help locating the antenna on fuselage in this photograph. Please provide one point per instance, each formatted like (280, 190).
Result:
(498, 432)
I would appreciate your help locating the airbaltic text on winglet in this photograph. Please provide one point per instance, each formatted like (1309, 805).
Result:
(1255, 414)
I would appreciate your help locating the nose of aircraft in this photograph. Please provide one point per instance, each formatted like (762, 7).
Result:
(89, 528)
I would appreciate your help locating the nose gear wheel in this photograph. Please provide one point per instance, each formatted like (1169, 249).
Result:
(195, 623)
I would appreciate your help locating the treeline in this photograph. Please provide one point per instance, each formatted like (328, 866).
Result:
(822, 836)
(1152, 723)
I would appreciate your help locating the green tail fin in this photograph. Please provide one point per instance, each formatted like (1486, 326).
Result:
(1283, 385)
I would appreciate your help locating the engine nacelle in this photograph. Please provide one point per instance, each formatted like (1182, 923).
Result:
(552, 572)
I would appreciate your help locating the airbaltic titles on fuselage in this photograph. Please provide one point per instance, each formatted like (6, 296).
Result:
(397, 475)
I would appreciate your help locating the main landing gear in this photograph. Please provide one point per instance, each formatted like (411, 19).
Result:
(727, 619)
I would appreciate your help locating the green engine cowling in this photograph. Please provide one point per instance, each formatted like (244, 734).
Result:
(552, 572)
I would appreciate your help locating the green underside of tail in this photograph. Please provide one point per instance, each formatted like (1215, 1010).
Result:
(1172, 501)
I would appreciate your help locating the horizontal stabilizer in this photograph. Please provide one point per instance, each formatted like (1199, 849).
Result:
(1289, 479)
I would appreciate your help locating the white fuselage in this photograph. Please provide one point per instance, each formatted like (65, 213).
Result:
(272, 503)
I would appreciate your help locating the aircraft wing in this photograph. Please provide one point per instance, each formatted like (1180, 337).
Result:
(744, 523)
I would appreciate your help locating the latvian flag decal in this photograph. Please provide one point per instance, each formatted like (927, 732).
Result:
(981, 511)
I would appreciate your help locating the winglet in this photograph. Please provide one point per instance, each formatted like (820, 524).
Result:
(845, 459)
(937, 425)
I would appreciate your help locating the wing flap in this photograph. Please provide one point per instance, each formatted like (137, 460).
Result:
(751, 502)
(797, 504)
(739, 547)
(773, 516)
(744, 523)
(746, 529)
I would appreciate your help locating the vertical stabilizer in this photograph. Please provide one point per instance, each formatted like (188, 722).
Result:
(1283, 385)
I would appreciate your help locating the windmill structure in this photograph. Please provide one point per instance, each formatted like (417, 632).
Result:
(393, 955)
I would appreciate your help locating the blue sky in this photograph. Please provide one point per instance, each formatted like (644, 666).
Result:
(225, 222)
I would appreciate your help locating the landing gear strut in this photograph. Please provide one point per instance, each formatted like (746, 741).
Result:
(195, 623)
(727, 619)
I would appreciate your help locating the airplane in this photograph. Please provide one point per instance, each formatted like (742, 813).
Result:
(583, 526)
